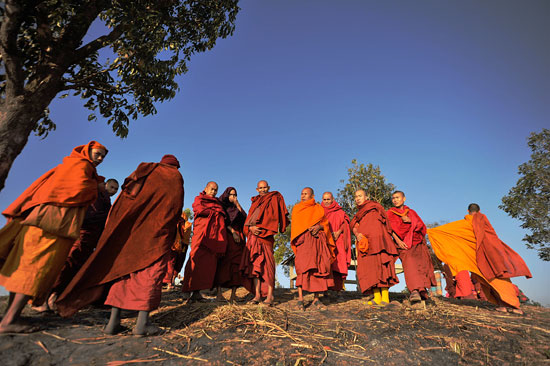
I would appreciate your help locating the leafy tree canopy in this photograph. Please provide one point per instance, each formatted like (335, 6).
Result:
(529, 200)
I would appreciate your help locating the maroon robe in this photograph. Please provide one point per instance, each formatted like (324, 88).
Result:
(376, 267)
(417, 264)
(269, 213)
(208, 244)
(140, 230)
(337, 219)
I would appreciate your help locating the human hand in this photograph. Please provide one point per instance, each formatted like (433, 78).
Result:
(405, 219)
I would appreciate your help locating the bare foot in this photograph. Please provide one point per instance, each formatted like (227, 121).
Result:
(149, 330)
(516, 311)
(501, 309)
(42, 308)
(19, 328)
(51, 301)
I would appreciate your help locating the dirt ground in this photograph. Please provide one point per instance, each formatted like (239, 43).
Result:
(345, 332)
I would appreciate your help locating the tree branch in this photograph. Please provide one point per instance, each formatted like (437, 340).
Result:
(8, 48)
(99, 43)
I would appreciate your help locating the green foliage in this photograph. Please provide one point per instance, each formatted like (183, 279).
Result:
(147, 43)
(189, 214)
(529, 200)
(368, 178)
(438, 265)
(281, 248)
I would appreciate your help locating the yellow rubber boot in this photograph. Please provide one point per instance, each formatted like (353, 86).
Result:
(385, 293)
(377, 296)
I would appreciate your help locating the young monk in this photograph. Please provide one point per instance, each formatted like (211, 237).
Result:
(338, 222)
(409, 234)
(267, 216)
(179, 250)
(228, 273)
(208, 245)
(376, 251)
(43, 223)
(134, 249)
(313, 247)
(473, 245)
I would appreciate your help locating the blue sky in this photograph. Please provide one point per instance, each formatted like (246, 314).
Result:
(442, 95)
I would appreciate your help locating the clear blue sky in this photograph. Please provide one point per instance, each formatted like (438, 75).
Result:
(442, 95)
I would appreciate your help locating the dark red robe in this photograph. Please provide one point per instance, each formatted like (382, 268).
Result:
(376, 267)
(208, 244)
(337, 219)
(269, 213)
(417, 264)
(139, 232)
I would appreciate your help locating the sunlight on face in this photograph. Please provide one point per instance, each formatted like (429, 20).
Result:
(211, 189)
(306, 194)
(97, 156)
(262, 187)
(327, 199)
(360, 197)
(398, 200)
(111, 188)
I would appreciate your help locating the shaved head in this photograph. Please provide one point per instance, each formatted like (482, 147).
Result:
(473, 207)
(262, 187)
(360, 197)
(328, 198)
(211, 189)
(307, 194)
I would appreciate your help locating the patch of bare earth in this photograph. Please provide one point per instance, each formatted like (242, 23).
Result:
(345, 332)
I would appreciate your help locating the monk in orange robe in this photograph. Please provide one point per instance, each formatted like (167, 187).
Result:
(409, 233)
(313, 246)
(228, 273)
(267, 216)
(338, 222)
(376, 251)
(133, 251)
(473, 245)
(179, 250)
(43, 223)
(208, 245)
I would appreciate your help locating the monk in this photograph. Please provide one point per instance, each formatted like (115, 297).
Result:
(338, 222)
(409, 233)
(228, 273)
(208, 245)
(267, 216)
(43, 223)
(179, 250)
(376, 251)
(132, 254)
(91, 230)
(473, 245)
(313, 246)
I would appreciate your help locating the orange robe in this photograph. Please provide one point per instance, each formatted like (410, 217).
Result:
(269, 213)
(457, 245)
(313, 254)
(32, 257)
(417, 264)
(376, 264)
(337, 219)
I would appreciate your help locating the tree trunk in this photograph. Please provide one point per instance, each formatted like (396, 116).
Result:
(18, 117)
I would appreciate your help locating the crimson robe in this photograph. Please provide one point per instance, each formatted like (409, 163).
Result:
(140, 230)
(268, 212)
(337, 219)
(417, 264)
(208, 244)
(376, 266)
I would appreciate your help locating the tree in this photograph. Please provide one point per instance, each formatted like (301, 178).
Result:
(529, 200)
(281, 247)
(42, 54)
(368, 178)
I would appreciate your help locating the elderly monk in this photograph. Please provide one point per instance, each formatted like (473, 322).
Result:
(208, 245)
(228, 273)
(339, 227)
(43, 223)
(313, 246)
(91, 230)
(473, 245)
(133, 251)
(409, 234)
(376, 251)
(267, 216)
(179, 250)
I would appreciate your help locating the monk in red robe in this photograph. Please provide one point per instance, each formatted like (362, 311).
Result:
(208, 245)
(313, 246)
(43, 223)
(133, 251)
(376, 251)
(472, 245)
(267, 216)
(228, 273)
(409, 233)
(338, 222)
(179, 250)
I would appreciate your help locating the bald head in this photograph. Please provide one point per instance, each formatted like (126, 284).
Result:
(307, 194)
(262, 187)
(360, 197)
(211, 189)
(328, 199)
(473, 207)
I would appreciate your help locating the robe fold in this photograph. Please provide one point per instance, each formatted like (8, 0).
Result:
(457, 245)
(140, 229)
(32, 257)
(268, 212)
(209, 243)
(417, 264)
(376, 266)
(179, 250)
(313, 254)
(338, 219)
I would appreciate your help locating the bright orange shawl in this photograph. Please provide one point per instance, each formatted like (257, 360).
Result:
(73, 183)
(305, 214)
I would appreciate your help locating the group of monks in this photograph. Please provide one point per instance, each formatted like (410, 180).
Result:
(64, 247)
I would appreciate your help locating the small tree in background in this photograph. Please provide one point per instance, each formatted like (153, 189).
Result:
(529, 200)
(282, 250)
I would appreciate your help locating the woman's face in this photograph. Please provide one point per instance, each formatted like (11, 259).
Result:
(232, 196)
